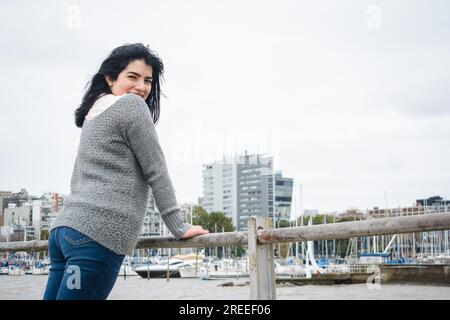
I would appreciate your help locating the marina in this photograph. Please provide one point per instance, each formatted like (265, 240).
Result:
(304, 267)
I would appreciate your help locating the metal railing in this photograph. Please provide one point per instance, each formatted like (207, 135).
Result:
(260, 238)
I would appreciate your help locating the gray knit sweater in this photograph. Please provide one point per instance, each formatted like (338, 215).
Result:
(119, 161)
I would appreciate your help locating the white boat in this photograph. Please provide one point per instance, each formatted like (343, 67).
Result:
(190, 271)
(224, 269)
(40, 267)
(191, 258)
(4, 271)
(192, 268)
(206, 274)
(161, 270)
(16, 272)
(281, 269)
(41, 271)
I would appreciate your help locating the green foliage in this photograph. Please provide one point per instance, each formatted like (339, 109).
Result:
(345, 219)
(200, 217)
(341, 247)
(215, 222)
(283, 224)
(44, 234)
(239, 251)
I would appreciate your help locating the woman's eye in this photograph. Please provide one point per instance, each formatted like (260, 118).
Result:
(148, 81)
(132, 77)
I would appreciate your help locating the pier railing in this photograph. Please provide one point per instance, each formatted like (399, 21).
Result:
(260, 238)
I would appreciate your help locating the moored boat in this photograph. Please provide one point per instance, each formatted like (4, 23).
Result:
(163, 270)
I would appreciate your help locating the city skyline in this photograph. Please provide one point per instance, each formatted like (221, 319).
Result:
(306, 211)
(349, 97)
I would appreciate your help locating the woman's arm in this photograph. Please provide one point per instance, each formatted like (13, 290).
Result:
(140, 133)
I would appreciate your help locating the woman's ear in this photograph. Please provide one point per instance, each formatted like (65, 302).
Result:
(109, 81)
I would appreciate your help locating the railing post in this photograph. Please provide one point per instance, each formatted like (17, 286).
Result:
(261, 262)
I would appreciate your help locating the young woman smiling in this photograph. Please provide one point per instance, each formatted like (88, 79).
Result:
(119, 161)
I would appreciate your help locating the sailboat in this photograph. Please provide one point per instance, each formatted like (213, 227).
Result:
(311, 267)
(308, 265)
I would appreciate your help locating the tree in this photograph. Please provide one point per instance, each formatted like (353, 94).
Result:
(44, 234)
(200, 217)
(284, 224)
(215, 222)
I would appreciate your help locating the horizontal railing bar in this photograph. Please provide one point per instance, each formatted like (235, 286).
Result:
(34, 245)
(342, 230)
(207, 240)
(346, 230)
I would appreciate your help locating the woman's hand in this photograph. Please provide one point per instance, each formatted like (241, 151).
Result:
(194, 231)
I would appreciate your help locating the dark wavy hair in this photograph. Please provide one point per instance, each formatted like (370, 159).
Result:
(117, 61)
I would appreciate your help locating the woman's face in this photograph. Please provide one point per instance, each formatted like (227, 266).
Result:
(135, 78)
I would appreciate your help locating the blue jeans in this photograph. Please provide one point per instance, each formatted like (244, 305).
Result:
(81, 268)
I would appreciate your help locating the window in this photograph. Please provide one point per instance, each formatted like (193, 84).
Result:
(286, 199)
(284, 183)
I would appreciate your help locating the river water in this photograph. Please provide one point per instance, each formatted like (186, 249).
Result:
(31, 287)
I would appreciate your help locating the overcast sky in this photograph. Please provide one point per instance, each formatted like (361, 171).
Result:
(350, 97)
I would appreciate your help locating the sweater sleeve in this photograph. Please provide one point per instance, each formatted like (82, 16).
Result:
(141, 135)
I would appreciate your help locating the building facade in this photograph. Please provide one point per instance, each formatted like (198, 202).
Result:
(152, 219)
(244, 186)
(219, 188)
(153, 224)
(283, 198)
(30, 214)
(255, 188)
(4, 195)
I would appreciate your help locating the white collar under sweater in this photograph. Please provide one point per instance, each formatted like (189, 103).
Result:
(102, 103)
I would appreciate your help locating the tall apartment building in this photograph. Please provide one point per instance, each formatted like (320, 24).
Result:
(153, 224)
(255, 188)
(219, 187)
(242, 186)
(152, 219)
(186, 210)
(4, 195)
(283, 198)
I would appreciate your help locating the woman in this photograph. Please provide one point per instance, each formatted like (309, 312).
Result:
(119, 161)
